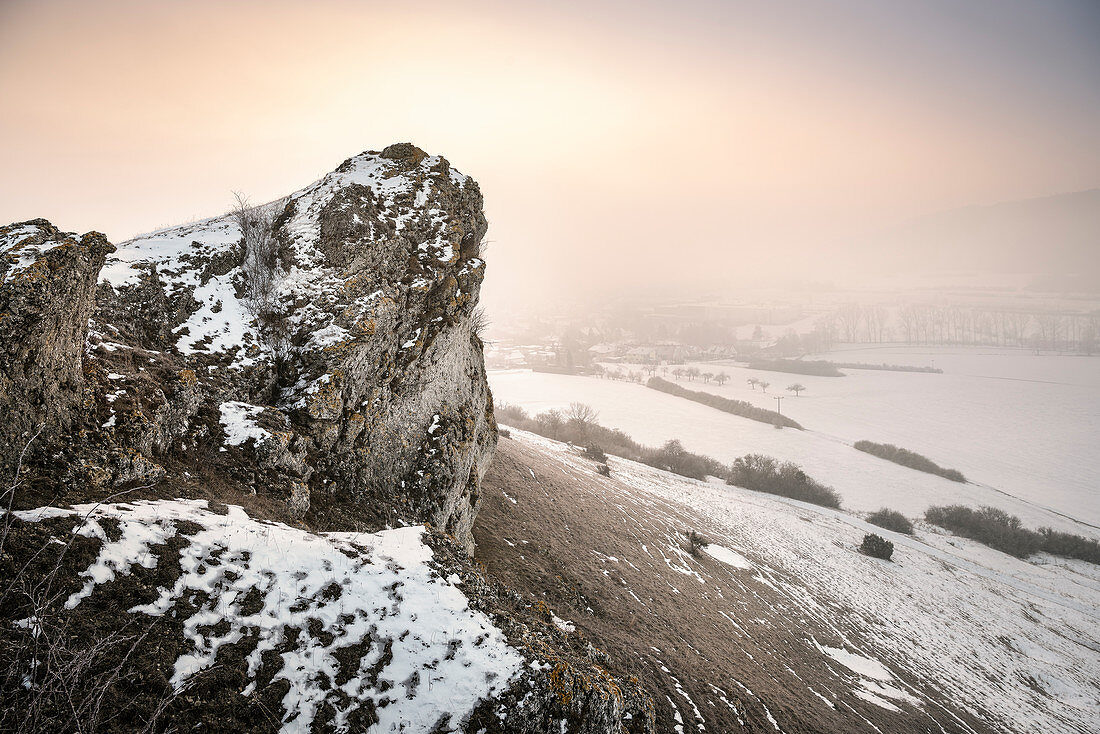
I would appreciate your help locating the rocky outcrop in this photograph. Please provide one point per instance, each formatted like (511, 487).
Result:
(47, 286)
(362, 380)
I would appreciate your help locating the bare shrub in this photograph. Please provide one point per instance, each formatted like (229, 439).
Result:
(998, 529)
(479, 323)
(260, 266)
(1070, 546)
(891, 520)
(765, 474)
(696, 542)
(55, 673)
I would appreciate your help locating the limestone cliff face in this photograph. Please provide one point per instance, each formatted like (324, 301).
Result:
(47, 284)
(319, 350)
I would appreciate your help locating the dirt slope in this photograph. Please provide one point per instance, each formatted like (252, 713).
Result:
(745, 643)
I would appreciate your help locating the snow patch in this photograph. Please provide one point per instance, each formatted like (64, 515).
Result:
(728, 557)
(427, 654)
(239, 421)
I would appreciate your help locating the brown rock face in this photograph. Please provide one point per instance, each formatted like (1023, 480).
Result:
(47, 289)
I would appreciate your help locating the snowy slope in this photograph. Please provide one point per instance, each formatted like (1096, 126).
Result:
(836, 413)
(950, 636)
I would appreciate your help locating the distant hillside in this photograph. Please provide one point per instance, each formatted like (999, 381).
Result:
(1053, 235)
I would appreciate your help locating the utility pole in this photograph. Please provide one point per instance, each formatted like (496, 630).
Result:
(778, 405)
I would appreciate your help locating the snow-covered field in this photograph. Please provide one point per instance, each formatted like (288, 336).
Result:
(1013, 643)
(1024, 429)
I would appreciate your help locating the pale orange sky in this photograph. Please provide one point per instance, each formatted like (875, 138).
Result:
(614, 141)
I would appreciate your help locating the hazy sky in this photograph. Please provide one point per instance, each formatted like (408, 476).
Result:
(614, 141)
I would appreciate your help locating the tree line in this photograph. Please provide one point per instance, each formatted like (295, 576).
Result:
(934, 324)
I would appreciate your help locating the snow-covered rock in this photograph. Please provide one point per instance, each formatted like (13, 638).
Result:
(237, 623)
(424, 655)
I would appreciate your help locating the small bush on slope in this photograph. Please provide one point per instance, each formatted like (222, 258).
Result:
(696, 542)
(891, 520)
(595, 453)
(876, 546)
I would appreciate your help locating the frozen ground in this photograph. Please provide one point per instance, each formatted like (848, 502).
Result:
(1022, 428)
(784, 626)
(310, 598)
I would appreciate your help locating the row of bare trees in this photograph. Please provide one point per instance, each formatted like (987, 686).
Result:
(694, 373)
(920, 323)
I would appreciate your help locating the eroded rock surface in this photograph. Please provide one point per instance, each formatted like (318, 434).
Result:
(363, 380)
(47, 287)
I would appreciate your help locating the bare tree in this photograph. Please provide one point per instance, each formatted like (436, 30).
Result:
(763, 385)
(908, 317)
(1017, 324)
(850, 315)
(1050, 329)
(753, 382)
(581, 413)
(874, 321)
(1089, 334)
(721, 378)
(796, 388)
